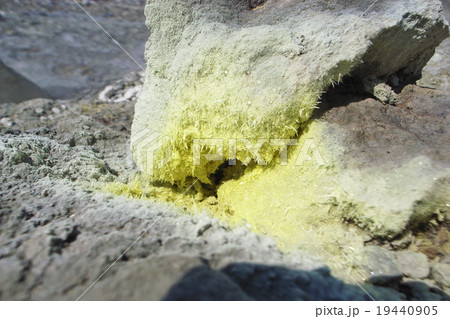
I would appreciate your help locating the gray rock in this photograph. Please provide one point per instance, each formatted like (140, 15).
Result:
(12, 273)
(202, 283)
(435, 75)
(16, 88)
(412, 264)
(441, 273)
(379, 265)
(403, 242)
(446, 259)
(263, 282)
(398, 170)
(380, 90)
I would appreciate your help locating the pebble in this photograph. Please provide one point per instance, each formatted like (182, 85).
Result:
(202, 229)
(441, 274)
(403, 242)
(7, 122)
(412, 264)
(379, 265)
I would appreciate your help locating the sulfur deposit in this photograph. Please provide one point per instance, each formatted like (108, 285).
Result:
(217, 70)
(230, 91)
(277, 140)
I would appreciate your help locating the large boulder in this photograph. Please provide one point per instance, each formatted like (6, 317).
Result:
(221, 70)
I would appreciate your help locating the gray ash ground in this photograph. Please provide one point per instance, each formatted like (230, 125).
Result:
(59, 232)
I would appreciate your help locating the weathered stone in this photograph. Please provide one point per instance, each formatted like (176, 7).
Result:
(379, 265)
(441, 273)
(436, 73)
(412, 264)
(380, 90)
(395, 172)
(403, 242)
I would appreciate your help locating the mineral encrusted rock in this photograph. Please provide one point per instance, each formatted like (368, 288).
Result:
(380, 90)
(59, 229)
(224, 72)
(219, 70)
(58, 235)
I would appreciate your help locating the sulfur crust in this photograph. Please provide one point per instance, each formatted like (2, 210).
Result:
(303, 206)
(261, 198)
(226, 89)
(224, 106)
(294, 203)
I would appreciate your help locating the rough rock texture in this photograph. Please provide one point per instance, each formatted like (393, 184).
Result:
(441, 273)
(58, 232)
(414, 265)
(436, 74)
(219, 70)
(379, 265)
(394, 162)
(421, 291)
(15, 88)
(60, 229)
